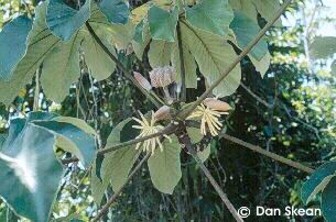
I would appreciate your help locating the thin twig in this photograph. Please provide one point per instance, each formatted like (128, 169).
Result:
(126, 72)
(105, 208)
(182, 67)
(185, 139)
(37, 90)
(183, 114)
(269, 106)
(271, 155)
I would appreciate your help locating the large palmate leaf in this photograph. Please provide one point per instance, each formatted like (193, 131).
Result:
(162, 23)
(246, 30)
(328, 206)
(13, 36)
(40, 43)
(318, 181)
(213, 16)
(165, 166)
(65, 21)
(63, 63)
(28, 163)
(116, 11)
(115, 166)
(263, 64)
(159, 53)
(213, 55)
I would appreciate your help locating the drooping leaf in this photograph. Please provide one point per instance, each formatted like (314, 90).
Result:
(28, 171)
(72, 139)
(246, 7)
(97, 60)
(323, 47)
(61, 69)
(165, 166)
(213, 16)
(114, 169)
(159, 53)
(162, 23)
(13, 36)
(213, 55)
(115, 166)
(195, 134)
(81, 124)
(65, 21)
(246, 30)
(116, 11)
(313, 185)
(28, 163)
(262, 65)
(204, 154)
(328, 205)
(100, 64)
(40, 43)
(268, 8)
(189, 65)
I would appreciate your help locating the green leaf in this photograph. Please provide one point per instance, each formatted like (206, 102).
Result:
(65, 21)
(189, 65)
(165, 166)
(81, 124)
(61, 69)
(317, 181)
(98, 62)
(120, 35)
(213, 55)
(323, 47)
(159, 53)
(139, 47)
(268, 8)
(328, 205)
(13, 36)
(72, 139)
(3, 137)
(115, 166)
(138, 33)
(40, 43)
(116, 11)
(204, 155)
(246, 30)
(245, 6)
(28, 163)
(262, 65)
(195, 134)
(114, 136)
(162, 23)
(115, 169)
(213, 16)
